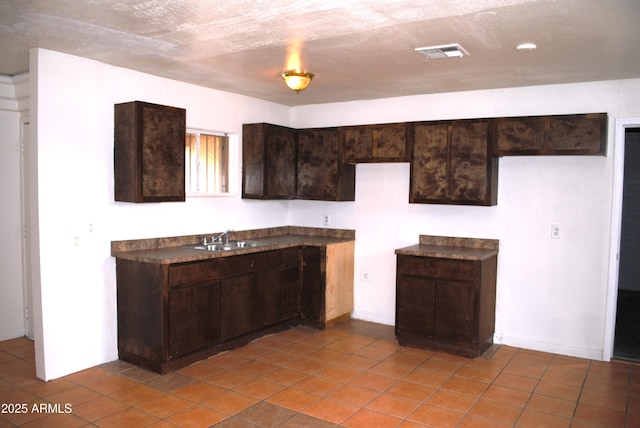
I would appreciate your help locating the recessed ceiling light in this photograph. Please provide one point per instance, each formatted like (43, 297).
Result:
(526, 47)
(443, 51)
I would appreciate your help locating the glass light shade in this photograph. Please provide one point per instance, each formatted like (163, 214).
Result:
(297, 80)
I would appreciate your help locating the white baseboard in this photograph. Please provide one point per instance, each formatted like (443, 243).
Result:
(552, 348)
(11, 334)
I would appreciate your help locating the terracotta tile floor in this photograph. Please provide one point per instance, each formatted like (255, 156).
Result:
(353, 375)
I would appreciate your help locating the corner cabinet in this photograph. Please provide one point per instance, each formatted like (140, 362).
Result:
(576, 134)
(452, 163)
(376, 143)
(446, 304)
(149, 152)
(321, 174)
(173, 314)
(268, 162)
(327, 284)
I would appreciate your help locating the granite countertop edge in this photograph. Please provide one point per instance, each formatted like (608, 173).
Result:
(178, 249)
(452, 248)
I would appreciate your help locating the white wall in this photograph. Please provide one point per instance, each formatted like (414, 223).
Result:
(73, 130)
(11, 290)
(551, 294)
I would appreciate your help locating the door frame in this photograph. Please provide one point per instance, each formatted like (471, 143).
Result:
(621, 124)
(25, 180)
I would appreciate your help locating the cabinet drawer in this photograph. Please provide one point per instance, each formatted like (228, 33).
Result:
(192, 273)
(260, 262)
(437, 267)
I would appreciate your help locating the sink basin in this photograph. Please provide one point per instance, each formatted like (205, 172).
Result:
(228, 246)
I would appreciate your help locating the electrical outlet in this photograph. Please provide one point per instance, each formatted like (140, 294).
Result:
(556, 231)
(364, 276)
(326, 219)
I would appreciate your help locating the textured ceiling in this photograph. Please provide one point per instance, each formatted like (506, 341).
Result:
(357, 49)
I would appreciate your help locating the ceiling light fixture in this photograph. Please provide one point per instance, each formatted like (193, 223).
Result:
(526, 47)
(297, 79)
(443, 51)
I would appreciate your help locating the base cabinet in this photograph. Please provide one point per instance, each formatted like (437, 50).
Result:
(170, 315)
(446, 304)
(327, 284)
(256, 289)
(194, 318)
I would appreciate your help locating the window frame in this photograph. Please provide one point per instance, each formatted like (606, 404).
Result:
(233, 163)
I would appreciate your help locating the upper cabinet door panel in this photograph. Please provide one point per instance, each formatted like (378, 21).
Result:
(525, 134)
(269, 161)
(452, 164)
(376, 143)
(576, 134)
(253, 160)
(321, 175)
(281, 162)
(469, 157)
(163, 152)
(149, 152)
(429, 166)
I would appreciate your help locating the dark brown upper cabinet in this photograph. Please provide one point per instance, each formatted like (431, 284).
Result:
(149, 152)
(268, 162)
(377, 143)
(452, 163)
(321, 174)
(576, 134)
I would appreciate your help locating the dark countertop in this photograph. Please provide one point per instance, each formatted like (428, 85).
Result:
(452, 248)
(181, 249)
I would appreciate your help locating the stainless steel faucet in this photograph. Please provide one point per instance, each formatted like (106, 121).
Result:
(223, 237)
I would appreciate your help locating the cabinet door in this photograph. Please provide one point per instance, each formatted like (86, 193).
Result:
(149, 152)
(519, 135)
(415, 305)
(313, 284)
(290, 281)
(321, 175)
(455, 312)
(376, 143)
(429, 165)
(469, 169)
(194, 318)
(269, 161)
(268, 295)
(239, 306)
(576, 134)
(452, 164)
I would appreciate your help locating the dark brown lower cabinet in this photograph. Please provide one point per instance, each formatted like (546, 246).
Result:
(256, 289)
(446, 304)
(313, 286)
(172, 315)
(194, 318)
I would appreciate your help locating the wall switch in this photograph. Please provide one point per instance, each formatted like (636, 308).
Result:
(364, 276)
(326, 219)
(556, 231)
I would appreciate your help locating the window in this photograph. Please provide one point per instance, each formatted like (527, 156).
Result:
(207, 168)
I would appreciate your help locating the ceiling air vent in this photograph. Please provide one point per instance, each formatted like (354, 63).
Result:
(444, 51)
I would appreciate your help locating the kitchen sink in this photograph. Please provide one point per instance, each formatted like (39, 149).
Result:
(228, 246)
